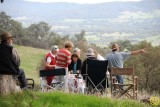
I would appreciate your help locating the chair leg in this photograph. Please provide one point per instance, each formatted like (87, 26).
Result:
(135, 87)
(125, 91)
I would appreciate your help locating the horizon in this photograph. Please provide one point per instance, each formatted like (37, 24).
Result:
(82, 1)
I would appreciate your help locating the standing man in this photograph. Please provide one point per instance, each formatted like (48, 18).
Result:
(63, 60)
(10, 60)
(117, 58)
(64, 56)
(51, 62)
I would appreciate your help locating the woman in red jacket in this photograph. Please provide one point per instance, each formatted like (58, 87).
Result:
(51, 62)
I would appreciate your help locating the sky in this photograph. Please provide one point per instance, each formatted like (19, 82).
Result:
(80, 1)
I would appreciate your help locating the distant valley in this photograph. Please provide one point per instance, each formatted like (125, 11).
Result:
(103, 22)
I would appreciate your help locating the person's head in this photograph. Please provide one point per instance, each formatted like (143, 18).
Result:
(115, 47)
(6, 37)
(90, 53)
(54, 49)
(68, 45)
(78, 51)
(75, 57)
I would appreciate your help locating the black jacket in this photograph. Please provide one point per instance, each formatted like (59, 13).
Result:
(83, 70)
(79, 65)
(7, 62)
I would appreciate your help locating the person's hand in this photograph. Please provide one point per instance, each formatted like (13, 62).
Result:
(71, 72)
(77, 71)
(143, 50)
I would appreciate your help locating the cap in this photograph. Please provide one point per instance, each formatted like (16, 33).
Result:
(54, 47)
(90, 52)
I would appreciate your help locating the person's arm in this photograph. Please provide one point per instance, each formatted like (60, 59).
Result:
(68, 61)
(47, 64)
(137, 52)
(79, 64)
(16, 57)
(83, 69)
(70, 66)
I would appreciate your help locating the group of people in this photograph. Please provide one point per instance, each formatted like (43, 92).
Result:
(73, 64)
(10, 60)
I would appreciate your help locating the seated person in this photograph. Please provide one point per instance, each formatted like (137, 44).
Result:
(91, 55)
(10, 60)
(51, 62)
(76, 63)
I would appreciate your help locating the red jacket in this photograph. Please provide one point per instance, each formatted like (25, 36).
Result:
(53, 60)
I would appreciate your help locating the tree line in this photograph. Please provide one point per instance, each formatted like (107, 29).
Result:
(40, 35)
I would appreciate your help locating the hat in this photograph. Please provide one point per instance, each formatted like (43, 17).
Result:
(76, 50)
(90, 52)
(5, 36)
(115, 46)
(68, 44)
(54, 48)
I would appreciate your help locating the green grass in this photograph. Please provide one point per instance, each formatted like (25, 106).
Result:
(30, 60)
(57, 99)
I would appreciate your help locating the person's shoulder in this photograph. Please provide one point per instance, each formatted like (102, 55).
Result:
(79, 60)
(6, 45)
(108, 54)
(67, 52)
(125, 52)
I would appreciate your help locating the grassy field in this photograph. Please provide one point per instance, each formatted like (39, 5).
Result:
(30, 60)
(57, 99)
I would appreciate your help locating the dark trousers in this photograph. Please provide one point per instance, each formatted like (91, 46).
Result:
(22, 79)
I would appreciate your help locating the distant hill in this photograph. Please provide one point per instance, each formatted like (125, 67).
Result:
(135, 21)
(60, 11)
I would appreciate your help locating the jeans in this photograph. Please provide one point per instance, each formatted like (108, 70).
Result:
(120, 79)
(22, 79)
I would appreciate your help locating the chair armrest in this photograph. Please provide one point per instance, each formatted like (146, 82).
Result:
(84, 74)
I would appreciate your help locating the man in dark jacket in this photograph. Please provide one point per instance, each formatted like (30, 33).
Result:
(10, 60)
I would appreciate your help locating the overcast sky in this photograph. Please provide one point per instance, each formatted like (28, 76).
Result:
(80, 1)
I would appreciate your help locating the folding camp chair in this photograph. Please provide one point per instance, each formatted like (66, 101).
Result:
(55, 72)
(117, 89)
(95, 76)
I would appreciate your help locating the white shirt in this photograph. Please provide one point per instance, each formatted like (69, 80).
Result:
(99, 57)
(49, 58)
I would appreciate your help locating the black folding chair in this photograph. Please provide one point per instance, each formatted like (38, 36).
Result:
(95, 75)
(55, 72)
